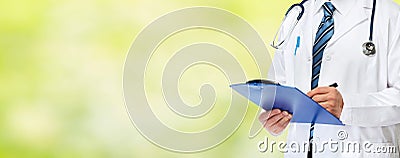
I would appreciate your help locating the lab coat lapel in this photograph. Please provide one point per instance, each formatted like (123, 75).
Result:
(302, 70)
(354, 17)
(307, 35)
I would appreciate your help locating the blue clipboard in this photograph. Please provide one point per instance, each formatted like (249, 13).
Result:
(270, 95)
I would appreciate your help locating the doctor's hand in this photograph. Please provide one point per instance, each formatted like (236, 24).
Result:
(275, 120)
(329, 98)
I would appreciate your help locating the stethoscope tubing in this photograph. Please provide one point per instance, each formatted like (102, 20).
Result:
(302, 9)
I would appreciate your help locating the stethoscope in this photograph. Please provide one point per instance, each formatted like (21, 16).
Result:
(368, 47)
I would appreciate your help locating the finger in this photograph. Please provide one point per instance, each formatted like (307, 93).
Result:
(333, 111)
(319, 90)
(328, 104)
(265, 114)
(274, 112)
(273, 120)
(281, 124)
(320, 98)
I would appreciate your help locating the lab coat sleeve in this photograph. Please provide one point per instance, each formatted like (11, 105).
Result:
(277, 69)
(380, 108)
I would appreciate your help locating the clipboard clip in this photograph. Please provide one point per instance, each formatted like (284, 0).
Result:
(261, 81)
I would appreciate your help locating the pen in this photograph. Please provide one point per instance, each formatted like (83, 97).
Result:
(297, 45)
(334, 85)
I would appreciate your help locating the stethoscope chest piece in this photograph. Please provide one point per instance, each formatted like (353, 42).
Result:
(369, 48)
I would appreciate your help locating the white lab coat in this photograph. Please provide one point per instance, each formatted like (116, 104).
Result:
(370, 86)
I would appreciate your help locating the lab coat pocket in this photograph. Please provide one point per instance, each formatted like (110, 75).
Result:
(290, 54)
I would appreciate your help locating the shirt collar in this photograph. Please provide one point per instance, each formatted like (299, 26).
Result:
(342, 6)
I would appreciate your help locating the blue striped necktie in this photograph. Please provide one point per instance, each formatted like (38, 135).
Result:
(324, 34)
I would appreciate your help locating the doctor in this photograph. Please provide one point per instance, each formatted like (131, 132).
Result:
(325, 47)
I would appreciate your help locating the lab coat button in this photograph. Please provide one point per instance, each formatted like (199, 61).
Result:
(328, 58)
(309, 59)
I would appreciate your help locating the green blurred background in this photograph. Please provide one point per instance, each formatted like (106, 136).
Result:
(61, 70)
